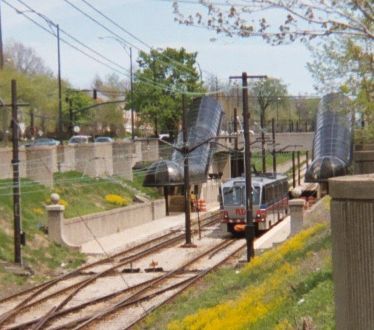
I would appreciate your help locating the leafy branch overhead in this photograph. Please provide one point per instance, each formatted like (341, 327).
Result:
(281, 21)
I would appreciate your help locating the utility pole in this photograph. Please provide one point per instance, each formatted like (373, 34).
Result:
(32, 123)
(132, 98)
(263, 153)
(249, 228)
(71, 119)
(60, 127)
(186, 152)
(293, 170)
(274, 152)
(236, 142)
(1, 44)
(298, 168)
(16, 183)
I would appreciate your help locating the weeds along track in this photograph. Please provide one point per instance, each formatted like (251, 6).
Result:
(60, 291)
(125, 307)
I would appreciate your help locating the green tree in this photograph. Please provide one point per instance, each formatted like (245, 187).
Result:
(267, 92)
(75, 110)
(160, 75)
(295, 20)
(347, 64)
(35, 86)
(109, 118)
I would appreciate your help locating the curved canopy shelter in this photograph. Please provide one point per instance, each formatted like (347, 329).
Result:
(203, 124)
(332, 144)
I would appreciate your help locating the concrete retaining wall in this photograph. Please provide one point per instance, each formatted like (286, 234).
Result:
(352, 228)
(79, 230)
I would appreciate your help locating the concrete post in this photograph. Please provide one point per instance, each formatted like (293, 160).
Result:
(122, 159)
(41, 164)
(352, 229)
(55, 214)
(297, 215)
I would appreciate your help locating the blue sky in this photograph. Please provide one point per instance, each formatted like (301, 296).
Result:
(151, 21)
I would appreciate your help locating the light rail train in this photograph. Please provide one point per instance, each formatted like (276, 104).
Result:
(269, 197)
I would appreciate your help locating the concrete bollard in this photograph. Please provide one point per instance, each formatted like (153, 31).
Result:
(297, 215)
(55, 214)
(352, 229)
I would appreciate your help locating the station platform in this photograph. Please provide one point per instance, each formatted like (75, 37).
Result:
(127, 238)
(111, 244)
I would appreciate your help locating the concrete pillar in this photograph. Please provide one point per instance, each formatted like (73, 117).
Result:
(41, 163)
(6, 163)
(149, 150)
(122, 159)
(297, 215)
(55, 214)
(94, 159)
(352, 229)
(137, 152)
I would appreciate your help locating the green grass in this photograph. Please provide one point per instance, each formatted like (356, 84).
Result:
(281, 158)
(307, 298)
(83, 195)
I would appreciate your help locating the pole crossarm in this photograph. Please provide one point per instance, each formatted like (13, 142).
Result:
(98, 105)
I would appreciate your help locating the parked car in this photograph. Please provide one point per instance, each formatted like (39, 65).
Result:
(80, 139)
(43, 142)
(101, 139)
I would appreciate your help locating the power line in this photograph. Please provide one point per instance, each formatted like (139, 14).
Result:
(146, 81)
(63, 40)
(137, 38)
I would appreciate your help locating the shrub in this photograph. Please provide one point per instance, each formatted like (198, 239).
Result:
(117, 200)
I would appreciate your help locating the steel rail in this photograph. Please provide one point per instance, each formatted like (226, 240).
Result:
(194, 280)
(80, 285)
(123, 303)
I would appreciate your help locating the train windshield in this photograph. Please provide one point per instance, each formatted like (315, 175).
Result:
(233, 195)
(256, 195)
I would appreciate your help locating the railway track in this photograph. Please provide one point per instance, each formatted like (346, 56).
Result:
(123, 309)
(19, 311)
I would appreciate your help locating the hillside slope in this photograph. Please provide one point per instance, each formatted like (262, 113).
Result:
(288, 287)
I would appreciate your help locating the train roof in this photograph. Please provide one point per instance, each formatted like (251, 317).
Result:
(258, 179)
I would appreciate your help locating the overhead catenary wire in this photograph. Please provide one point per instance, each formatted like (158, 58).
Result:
(127, 74)
(146, 81)
(137, 38)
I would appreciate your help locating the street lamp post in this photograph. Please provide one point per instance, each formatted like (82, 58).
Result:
(1, 45)
(56, 26)
(132, 98)
(60, 127)
(124, 46)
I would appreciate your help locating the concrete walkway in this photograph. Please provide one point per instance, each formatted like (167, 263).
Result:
(138, 234)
